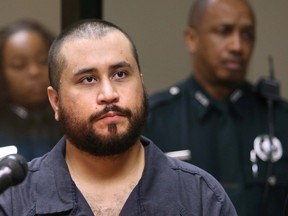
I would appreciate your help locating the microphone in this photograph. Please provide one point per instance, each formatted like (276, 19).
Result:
(13, 170)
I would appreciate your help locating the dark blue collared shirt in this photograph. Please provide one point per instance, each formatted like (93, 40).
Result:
(167, 187)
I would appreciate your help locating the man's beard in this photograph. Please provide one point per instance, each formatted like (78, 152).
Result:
(82, 134)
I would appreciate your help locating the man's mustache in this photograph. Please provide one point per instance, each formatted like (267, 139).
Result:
(122, 111)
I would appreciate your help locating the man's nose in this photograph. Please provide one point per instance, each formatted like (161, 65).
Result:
(236, 43)
(107, 93)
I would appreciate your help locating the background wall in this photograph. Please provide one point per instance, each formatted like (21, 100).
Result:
(272, 39)
(46, 12)
(157, 28)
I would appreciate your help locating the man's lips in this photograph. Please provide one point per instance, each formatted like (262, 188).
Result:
(110, 114)
(233, 64)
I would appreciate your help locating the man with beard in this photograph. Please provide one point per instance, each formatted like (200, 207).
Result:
(219, 118)
(103, 166)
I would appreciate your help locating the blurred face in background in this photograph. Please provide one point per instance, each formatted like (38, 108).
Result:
(25, 69)
(223, 42)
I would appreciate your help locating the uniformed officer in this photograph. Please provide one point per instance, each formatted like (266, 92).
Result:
(217, 120)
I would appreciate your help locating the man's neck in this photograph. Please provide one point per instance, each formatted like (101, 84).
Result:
(106, 182)
(217, 91)
(84, 165)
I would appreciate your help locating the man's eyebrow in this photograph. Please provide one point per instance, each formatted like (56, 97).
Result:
(84, 70)
(120, 64)
(93, 69)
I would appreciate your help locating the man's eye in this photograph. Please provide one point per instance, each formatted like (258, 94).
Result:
(120, 75)
(224, 30)
(89, 79)
(248, 35)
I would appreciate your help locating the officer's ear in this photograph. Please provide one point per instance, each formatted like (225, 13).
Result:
(191, 39)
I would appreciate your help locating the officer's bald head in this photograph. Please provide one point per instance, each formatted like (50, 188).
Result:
(198, 10)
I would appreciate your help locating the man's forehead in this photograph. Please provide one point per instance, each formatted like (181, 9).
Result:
(111, 38)
(111, 48)
(229, 12)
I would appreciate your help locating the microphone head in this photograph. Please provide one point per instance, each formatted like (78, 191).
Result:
(18, 166)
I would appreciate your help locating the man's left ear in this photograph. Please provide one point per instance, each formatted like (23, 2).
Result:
(54, 101)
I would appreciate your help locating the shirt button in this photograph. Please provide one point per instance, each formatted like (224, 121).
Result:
(174, 90)
(272, 180)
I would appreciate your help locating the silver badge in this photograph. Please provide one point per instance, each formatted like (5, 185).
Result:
(268, 149)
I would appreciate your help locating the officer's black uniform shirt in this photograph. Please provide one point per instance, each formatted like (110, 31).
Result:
(185, 118)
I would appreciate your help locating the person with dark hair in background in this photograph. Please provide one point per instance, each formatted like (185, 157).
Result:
(26, 118)
(102, 166)
(218, 119)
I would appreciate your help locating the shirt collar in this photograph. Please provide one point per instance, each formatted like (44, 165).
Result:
(204, 102)
(154, 180)
(60, 195)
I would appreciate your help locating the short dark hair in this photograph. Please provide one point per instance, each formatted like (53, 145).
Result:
(197, 12)
(6, 32)
(88, 28)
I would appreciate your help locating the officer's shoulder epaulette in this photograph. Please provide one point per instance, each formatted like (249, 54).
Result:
(167, 95)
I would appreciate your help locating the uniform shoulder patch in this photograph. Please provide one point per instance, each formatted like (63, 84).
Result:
(167, 95)
(170, 94)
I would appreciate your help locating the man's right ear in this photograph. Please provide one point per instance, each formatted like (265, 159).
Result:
(54, 101)
(191, 39)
